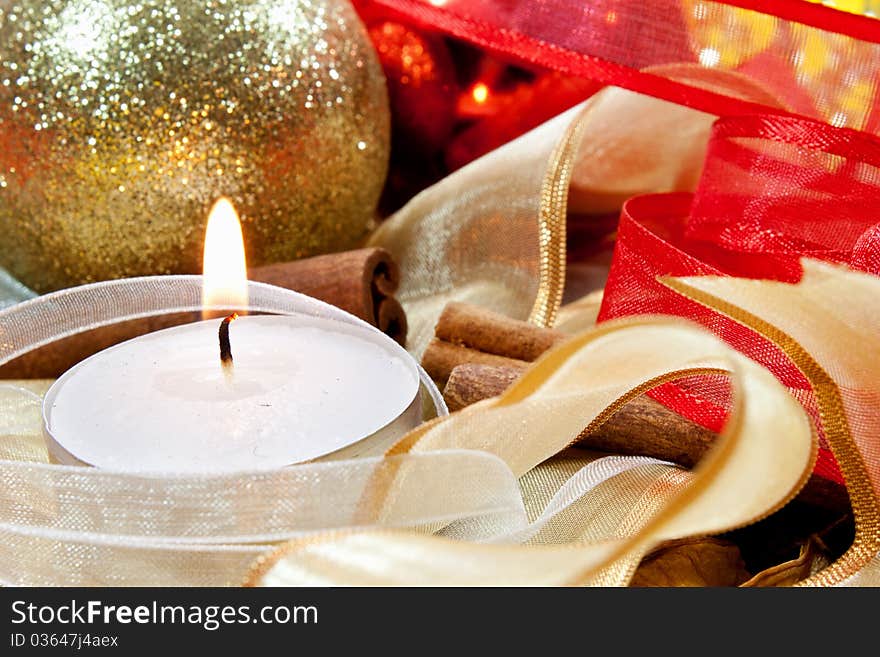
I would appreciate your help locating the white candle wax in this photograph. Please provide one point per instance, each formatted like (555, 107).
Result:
(301, 387)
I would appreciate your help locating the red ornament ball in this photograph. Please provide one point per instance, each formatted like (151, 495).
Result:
(422, 87)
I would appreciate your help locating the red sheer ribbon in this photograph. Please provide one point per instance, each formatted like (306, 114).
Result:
(823, 63)
(774, 189)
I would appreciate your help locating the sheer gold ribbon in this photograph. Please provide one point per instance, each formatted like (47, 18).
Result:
(826, 324)
(447, 239)
(491, 233)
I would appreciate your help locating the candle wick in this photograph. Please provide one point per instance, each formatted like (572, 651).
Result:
(225, 346)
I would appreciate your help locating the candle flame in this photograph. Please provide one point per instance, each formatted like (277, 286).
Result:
(224, 267)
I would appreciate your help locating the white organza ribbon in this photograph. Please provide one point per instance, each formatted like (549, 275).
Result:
(83, 526)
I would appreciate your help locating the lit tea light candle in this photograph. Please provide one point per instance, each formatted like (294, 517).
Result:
(259, 392)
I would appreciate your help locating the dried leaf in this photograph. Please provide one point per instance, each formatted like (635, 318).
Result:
(811, 560)
(692, 562)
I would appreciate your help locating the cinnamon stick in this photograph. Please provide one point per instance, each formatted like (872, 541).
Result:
(361, 282)
(477, 328)
(641, 427)
(470, 382)
(52, 360)
(441, 358)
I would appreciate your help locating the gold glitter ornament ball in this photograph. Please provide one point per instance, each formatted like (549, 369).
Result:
(122, 122)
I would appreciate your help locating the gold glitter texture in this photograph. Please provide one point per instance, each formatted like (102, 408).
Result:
(122, 122)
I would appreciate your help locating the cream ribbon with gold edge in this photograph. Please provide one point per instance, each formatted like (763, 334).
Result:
(493, 233)
(760, 462)
(829, 325)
